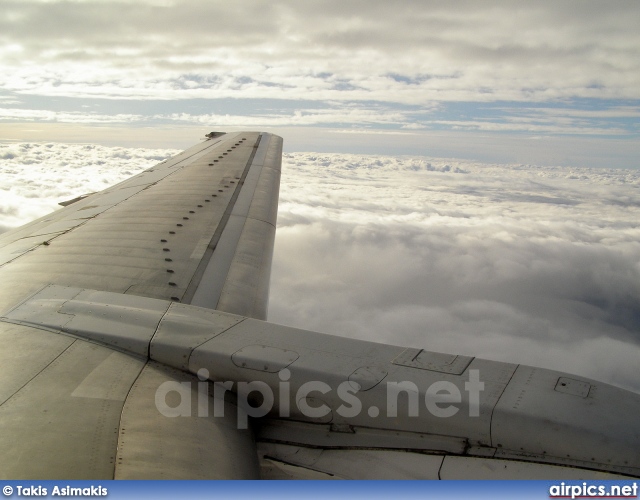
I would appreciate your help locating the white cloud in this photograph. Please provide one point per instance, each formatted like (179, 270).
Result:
(528, 125)
(511, 262)
(415, 52)
(65, 117)
(362, 115)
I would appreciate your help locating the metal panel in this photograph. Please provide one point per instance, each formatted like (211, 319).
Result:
(210, 287)
(367, 377)
(25, 353)
(250, 181)
(264, 205)
(434, 361)
(190, 446)
(121, 321)
(259, 197)
(99, 384)
(183, 329)
(246, 289)
(56, 227)
(332, 360)
(273, 469)
(263, 358)
(27, 230)
(280, 461)
(573, 386)
(124, 322)
(66, 203)
(48, 432)
(273, 156)
(597, 431)
(489, 468)
(325, 436)
(104, 201)
(41, 309)
(13, 250)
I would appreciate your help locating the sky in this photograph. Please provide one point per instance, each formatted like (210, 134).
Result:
(545, 82)
(459, 176)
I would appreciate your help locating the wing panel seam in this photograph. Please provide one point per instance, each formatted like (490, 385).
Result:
(124, 403)
(42, 370)
(498, 402)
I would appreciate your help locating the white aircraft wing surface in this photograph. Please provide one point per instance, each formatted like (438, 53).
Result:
(135, 345)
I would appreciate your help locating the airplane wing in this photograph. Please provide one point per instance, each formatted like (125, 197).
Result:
(134, 345)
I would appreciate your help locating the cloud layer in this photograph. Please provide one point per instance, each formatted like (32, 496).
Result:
(519, 263)
(411, 52)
